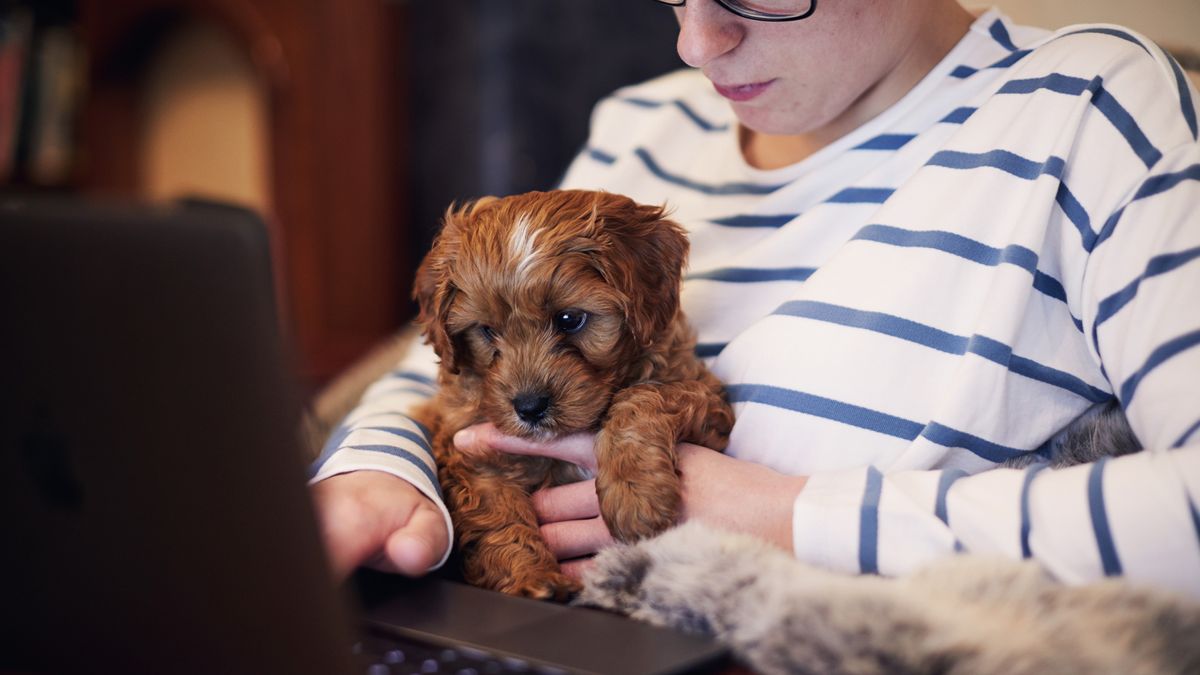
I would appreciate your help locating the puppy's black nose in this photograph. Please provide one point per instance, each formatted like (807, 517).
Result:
(531, 407)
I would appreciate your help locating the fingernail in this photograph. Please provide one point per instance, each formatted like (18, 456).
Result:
(464, 439)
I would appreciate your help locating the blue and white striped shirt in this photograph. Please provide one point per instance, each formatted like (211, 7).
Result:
(942, 289)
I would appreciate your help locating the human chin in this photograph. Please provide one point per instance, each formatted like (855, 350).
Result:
(771, 121)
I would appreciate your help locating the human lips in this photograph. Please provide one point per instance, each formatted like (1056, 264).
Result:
(742, 92)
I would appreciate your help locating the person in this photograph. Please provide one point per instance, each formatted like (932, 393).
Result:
(923, 242)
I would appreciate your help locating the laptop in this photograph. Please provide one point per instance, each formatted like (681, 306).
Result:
(154, 516)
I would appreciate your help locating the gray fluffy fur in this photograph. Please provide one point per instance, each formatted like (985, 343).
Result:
(1101, 431)
(965, 614)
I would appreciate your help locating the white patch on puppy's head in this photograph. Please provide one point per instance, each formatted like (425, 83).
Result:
(522, 244)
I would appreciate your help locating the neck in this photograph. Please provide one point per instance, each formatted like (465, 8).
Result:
(944, 28)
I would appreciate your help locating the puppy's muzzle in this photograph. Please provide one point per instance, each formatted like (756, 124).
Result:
(531, 407)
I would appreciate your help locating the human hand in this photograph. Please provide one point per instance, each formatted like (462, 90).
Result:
(569, 515)
(722, 491)
(379, 520)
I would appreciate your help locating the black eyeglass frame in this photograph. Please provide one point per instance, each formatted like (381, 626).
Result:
(747, 14)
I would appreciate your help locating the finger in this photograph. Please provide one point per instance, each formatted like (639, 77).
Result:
(417, 546)
(574, 501)
(575, 448)
(577, 568)
(576, 538)
(340, 524)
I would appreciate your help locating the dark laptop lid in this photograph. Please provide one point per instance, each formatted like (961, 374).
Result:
(145, 440)
(153, 510)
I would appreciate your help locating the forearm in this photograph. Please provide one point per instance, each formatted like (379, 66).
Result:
(737, 495)
(379, 434)
(1132, 516)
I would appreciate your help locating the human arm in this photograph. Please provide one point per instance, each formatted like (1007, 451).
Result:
(374, 485)
(719, 490)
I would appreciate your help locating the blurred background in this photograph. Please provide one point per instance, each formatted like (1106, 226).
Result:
(350, 125)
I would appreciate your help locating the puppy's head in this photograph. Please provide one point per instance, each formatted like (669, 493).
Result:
(546, 303)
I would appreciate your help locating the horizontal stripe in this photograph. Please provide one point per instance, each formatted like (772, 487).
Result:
(1162, 182)
(1056, 82)
(953, 438)
(885, 142)
(600, 155)
(958, 115)
(1050, 286)
(407, 456)
(421, 441)
(1195, 516)
(639, 102)
(1127, 126)
(753, 274)
(871, 420)
(1004, 160)
(1027, 169)
(424, 392)
(1165, 351)
(826, 408)
(719, 189)
(858, 195)
(963, 72)
(868, 527)
(1154, 185)
(1185, 436)
(1077, 215)
(683, 107)
(1104, 540)
(1104, 102)
(699, 121)
(970, 249)
(331, 445)
(1000, 34)
(952, 243)
(711, 349)
(1100, 30)
(934, 338)
(754, 220)
(945, 480)
(414, 376)
(1026, 521)
(1157, 265)
(1185, 93)
(338, 438)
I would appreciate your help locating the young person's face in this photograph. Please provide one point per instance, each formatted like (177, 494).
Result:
(796, 77)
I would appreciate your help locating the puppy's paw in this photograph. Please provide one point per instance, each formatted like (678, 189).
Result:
(639, 506)
(554, 586)
(639, 493)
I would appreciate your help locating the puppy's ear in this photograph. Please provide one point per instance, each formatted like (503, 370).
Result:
(434, 288)
(642, 257)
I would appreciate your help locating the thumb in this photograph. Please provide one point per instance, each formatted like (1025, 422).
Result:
(576, 448)
(417, 546)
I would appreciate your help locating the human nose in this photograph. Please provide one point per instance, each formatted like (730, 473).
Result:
(706, 32)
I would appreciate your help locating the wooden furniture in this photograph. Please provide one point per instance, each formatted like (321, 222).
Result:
(333, 71)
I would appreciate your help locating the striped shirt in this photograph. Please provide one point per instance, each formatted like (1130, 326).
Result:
(941, 290)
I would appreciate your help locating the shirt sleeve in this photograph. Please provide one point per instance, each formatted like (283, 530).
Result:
(380, 435)
(1134, 516)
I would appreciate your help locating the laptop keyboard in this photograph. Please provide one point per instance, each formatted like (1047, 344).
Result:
(390, 654)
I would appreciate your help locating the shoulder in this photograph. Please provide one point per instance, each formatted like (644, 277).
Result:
(1121, 72)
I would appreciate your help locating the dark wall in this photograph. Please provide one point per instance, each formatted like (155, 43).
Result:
(502, 90)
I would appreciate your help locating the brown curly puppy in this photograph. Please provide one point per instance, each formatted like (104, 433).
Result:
(554, 313)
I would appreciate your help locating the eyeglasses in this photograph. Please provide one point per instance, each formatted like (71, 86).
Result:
(763, 10)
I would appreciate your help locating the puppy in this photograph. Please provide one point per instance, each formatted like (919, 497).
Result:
(554, 313)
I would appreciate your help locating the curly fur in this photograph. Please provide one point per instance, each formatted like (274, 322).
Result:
(965, 614)
(492, 293)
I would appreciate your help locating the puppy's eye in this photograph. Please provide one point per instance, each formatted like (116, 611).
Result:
(488, 333)
(570, 321)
